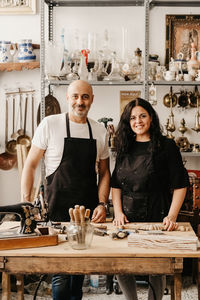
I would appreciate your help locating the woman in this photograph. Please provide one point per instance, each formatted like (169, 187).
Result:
(149, 180)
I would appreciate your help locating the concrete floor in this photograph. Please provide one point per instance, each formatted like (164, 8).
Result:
(189, 292)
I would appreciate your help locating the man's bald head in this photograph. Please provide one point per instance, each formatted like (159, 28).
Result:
(80, 84)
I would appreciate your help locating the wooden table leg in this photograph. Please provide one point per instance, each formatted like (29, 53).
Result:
(172, 287)
(6, 295)
(198, 278)
(20, 287)
(177, 286)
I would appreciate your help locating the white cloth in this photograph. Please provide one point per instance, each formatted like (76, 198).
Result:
(51, 132)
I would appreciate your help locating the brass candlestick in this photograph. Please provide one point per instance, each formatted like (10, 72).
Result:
(182, 142)
(197, 118)
(169, 134)
(170, 124)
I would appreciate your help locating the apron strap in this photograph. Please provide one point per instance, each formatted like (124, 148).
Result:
(68, 129)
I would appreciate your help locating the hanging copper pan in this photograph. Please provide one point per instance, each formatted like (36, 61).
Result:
(52, 107)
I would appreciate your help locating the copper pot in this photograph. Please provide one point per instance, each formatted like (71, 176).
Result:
(7, 161)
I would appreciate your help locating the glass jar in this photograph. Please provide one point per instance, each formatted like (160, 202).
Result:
(80, 235)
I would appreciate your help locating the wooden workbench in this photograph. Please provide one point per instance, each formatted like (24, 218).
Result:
(105, 256)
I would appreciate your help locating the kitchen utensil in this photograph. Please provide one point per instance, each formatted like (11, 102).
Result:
(7, 160)
(24, 139)
(170, 97)
(19, 160)
(11, 145)
(21, 130)
(52, 107)
(14, 135)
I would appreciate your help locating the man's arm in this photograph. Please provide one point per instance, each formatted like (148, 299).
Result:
(34, 156)
(99, 214)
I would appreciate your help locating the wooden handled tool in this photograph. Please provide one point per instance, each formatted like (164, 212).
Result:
(87, 213)
(71, 213)
(82, 214)
(77, 215)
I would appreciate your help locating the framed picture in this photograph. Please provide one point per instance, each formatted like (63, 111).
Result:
(181, 31)
(126, 97)
(17, 7)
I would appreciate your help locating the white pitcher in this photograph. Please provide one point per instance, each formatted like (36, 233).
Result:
(25, 51)
(6, 54)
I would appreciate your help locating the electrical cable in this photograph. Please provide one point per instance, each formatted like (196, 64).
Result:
(154, 293)
(43, 277)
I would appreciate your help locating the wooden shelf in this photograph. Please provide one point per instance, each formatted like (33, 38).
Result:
(12, 66)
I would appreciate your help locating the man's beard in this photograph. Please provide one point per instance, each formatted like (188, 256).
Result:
(82, 113)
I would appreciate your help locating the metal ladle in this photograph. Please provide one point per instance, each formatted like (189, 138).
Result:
(24, 139)
(11, 145)
(21, 130)
(7, 160)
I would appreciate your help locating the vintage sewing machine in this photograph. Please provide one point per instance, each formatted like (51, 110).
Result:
(30, 214)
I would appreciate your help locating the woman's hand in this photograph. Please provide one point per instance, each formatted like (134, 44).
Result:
(120, 219)
(169, 223)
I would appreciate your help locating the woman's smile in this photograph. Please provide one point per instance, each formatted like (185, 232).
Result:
(140, 122)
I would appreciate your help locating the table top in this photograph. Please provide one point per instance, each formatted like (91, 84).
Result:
(102, 246)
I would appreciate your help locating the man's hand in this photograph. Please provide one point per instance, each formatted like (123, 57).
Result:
(99, 214)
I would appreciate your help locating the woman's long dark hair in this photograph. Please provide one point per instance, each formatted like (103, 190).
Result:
(125, 136)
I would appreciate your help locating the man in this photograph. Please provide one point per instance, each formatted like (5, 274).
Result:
(75, 149)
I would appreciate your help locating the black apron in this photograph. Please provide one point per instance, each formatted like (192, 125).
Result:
(142, 196)
(75, 180)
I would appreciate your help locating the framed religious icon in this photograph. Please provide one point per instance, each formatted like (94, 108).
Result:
(126, 97)
(17, 7)
(181, 31)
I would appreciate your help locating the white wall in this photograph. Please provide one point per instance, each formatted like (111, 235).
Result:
(107, 99)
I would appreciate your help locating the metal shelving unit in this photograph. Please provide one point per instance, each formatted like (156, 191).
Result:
(96, 83)
(181, 83)
(147, 4)
(103, 3)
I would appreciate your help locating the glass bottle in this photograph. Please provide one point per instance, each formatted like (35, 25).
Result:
(82, 70)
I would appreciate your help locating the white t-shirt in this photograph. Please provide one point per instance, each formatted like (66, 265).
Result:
(51, 132)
